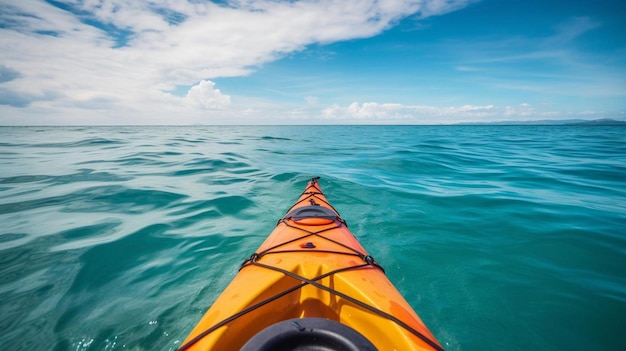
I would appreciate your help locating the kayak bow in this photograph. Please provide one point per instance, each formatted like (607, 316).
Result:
(310, 285)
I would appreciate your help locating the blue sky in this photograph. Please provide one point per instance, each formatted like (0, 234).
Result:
(109, 62)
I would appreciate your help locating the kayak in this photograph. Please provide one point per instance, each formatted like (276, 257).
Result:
(310, 286)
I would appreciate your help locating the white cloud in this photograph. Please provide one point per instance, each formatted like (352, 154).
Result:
(204, 95)
(120, 55)
(439, 7)
(399, 112)
(385, 113)
(523, 110)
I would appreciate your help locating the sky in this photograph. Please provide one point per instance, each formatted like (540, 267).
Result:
(172, 62)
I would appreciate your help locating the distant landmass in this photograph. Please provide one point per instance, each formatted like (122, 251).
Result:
(556, 122)
(600, 122)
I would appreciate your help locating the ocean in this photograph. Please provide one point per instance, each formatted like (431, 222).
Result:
(500, 237)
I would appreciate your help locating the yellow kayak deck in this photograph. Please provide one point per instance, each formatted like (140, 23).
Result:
(310, 267)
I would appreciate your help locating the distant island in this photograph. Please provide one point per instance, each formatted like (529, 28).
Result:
(600, 122)
(554, 122)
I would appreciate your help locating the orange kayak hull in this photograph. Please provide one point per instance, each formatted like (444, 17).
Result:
(311, 266)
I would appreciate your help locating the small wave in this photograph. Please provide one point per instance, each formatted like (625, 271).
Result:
(205, 165)
(25, 179)
(84, 175)
(226, 205)
(81, 143)
(275, 138)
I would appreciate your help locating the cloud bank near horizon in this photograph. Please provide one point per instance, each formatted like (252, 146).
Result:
(398, 113)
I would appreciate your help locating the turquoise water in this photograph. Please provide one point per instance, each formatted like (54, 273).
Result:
(501, 238)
